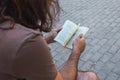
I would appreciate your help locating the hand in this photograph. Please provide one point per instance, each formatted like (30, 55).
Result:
(51, 35)
(79, 44)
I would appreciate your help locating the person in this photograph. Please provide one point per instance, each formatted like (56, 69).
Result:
(24, 54)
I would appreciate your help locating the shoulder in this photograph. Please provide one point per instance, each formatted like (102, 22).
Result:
(15, 36)
(22, 30)
(12, 38)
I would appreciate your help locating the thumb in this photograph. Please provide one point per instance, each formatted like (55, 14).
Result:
(81, 35)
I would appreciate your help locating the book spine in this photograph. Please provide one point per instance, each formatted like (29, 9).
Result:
(67, 42)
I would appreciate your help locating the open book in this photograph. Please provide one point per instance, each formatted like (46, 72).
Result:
(69, 33)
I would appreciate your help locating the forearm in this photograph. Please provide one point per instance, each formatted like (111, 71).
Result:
(69, 71)
(74, 58)
(47, 39)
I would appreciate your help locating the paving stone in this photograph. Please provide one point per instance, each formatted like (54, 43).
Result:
(114, 49)
(86, 56)
(54, 53)
(87, 66)
(117, 20)
(95, 41)
(111, 20)
(104, 49)
(81, 63)
(59, 64)
(116, 35)
(96, 57)
(106, 57)
(101, 75)
(113, 24)
(117, 68)
(116, 57)
(53, 46)
(119, 78)
(107, 67)
(112, 76)
(118, 43)
(58, 56)
(115, 30)
(98, 65)
(109, 35)
(102, 42)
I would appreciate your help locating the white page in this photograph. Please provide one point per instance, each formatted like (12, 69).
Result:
(68, 29)
(81, 30)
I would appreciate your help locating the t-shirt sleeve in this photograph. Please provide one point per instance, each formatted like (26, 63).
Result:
(34, 61)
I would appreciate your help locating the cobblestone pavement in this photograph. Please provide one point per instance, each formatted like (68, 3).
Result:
(102, 54)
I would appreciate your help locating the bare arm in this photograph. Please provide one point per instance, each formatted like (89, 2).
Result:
(69, 71)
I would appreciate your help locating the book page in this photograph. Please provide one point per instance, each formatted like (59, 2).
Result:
(81, 30)
(65, 34)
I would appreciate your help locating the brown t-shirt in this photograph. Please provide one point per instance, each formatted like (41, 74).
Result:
(24, 54)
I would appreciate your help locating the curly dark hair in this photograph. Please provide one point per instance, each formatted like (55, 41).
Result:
(35, 14)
